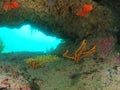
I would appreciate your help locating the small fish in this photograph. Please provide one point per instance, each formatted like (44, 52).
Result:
(10, 5)
(86, 9)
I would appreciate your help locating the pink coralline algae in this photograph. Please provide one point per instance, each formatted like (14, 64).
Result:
(7, 82)
(117, 59)
(104, 45)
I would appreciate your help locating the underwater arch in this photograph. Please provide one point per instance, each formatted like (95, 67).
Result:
(27, 39)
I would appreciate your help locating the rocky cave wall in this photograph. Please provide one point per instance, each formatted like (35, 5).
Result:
(58, 17)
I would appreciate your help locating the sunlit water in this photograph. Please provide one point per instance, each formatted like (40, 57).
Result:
(27, 38)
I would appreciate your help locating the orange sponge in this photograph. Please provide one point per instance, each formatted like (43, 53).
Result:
(87, 8)
(11, 5)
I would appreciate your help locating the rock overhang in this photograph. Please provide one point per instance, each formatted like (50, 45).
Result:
(58, 17)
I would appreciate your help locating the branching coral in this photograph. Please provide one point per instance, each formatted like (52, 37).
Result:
(81, 52)
(40, 60)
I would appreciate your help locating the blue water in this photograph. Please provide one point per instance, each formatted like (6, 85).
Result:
(27, 38)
